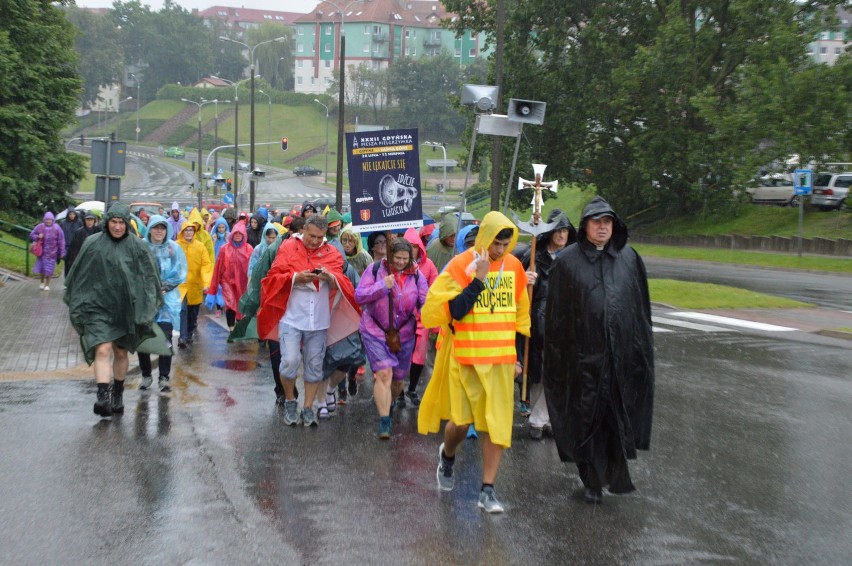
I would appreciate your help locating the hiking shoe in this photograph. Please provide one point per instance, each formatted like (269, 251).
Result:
(536, 433)
(342, 395)
(291, 413)
(146, 382)
(400, 401)
(117, 397)
(165, 385)
(446, 481)
(103, 406)
(384, 428)
(308, 417)
(413, 397)
(181, 343)
(488, 500)
(353, 387)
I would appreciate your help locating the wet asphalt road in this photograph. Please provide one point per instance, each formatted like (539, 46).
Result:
(749, 463)
(829, 290)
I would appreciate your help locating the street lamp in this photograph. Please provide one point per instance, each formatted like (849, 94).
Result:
(138, 98)
(444, 150)
(251, 102)
(216, 130)
(236, 178)
(326, 138)
(200, 106)
(338, 198)
(268, 122)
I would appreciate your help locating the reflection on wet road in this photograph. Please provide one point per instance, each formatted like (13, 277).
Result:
(748, 464)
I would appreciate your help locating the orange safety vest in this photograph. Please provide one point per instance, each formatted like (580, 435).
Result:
(486, 335)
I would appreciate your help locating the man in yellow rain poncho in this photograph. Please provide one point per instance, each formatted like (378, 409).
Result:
(479, 302)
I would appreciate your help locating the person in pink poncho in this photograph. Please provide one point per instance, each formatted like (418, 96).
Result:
(231, 272)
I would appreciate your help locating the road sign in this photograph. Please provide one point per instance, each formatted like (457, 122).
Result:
(803, 181)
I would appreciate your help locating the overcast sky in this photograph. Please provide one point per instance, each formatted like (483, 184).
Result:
(303, 6)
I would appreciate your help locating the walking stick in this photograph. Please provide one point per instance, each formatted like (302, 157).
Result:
(534, 227)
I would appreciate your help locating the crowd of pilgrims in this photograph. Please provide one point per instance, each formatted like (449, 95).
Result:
(322, 297)
(211, 259)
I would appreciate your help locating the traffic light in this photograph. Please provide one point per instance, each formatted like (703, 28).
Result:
(284, 144)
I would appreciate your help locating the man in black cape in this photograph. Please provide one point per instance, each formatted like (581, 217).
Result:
(599, 353)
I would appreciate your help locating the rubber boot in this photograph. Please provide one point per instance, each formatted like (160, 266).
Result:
(118, 397)
(103, 406)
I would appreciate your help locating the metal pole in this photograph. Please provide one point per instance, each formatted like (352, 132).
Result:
(512, 171)
(268, 126)
(326, 138)
(138, 97)
(338, 193)
(469, 162)
(216, 136)
(199, 157)
(251, 137)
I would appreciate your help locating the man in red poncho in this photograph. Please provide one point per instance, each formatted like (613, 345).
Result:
(306, 303)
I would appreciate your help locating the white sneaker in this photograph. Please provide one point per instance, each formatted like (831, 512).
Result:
(41, 286)
(46, 288)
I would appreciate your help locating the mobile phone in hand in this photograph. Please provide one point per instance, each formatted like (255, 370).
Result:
(316, 271)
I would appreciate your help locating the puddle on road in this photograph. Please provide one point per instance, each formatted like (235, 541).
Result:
(235, 365)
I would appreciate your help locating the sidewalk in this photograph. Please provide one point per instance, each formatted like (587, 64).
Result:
(37, 337)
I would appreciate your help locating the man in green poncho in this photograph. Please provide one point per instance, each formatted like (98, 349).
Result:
(113, 293)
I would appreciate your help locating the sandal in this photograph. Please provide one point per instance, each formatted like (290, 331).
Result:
(330, 401)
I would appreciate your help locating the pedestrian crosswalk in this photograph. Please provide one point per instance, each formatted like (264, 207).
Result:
(670, 321)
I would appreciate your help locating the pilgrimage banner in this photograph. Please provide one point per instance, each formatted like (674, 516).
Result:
(384, 180)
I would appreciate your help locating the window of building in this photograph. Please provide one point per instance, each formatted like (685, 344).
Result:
(472, 52)
(367, 30)
(300, 48)
(328, 48)
(300, 63)
(823, 50)
(408, 34)
(458, 51)
(328, 30)
(837, 51)
(299, 80)
(414, 52)
(300, 31)
(377, 30)
(327, 63)
(366, 48)
(313, 80)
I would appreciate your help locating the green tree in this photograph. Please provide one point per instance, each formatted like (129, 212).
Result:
(268, 57)
(174, 45)
(99, 51)
(38, 96)
(422, 90)
(667, 103)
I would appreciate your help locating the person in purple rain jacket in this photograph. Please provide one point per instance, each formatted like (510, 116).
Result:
(53, 244)
(397, 278)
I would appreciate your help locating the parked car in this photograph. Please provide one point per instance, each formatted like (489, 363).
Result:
(175, 152)
(775, 189)
(215, 205)
(306, 170)
(831, 189)
(151, 208)
(296, 210)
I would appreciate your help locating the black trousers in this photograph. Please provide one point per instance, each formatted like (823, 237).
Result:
(164, 363)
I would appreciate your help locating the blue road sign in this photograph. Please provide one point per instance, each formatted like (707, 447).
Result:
(803, 181)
